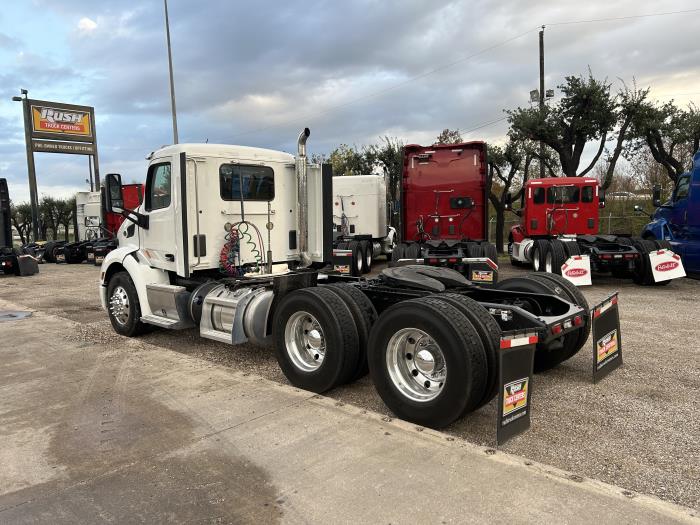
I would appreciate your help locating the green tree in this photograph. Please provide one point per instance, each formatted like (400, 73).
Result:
(587, 112)
(388, 155)
(48, 216)
(21, 215)
(671, 135)
(449, 136)
(65, 212)
(349, 160)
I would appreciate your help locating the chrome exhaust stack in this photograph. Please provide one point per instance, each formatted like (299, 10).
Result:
(303, 198)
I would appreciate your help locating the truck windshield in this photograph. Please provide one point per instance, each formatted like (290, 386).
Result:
(258, 182)
(562, 195)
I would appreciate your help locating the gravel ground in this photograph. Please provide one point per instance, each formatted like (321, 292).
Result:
(637, 428)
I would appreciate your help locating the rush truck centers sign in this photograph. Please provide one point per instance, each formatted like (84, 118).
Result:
(53, 120)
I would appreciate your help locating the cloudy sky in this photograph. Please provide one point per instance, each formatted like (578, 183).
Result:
(254, 73)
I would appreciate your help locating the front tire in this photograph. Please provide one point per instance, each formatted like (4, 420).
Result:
(123, 306)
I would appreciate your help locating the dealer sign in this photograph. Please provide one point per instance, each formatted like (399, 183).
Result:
(54, 120)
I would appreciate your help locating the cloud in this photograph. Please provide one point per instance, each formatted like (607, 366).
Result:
(86, 25)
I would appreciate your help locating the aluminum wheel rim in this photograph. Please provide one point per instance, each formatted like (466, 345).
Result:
(548, 262)
(416, 364)
(119, 305)
(305, 341)
(358, 263)
(536, 259)
(368, 262)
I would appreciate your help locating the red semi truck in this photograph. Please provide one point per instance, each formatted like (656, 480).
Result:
(558, 233)
(444, 207)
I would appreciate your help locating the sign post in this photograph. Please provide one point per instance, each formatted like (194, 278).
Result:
(54, 127)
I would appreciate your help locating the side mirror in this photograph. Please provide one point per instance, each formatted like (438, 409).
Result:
(601, 198)
(637, 208)
(508, 202)
(114, 194)
(656, 196)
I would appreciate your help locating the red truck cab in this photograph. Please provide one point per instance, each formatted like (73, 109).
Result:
(558, 206)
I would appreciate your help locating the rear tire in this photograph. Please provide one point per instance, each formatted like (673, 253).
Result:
(539, 252)
(571, 248)
(642, 271)
(555, 257)
(451, 355)
(489, 333)
(358, 259)
(398, 252)
(123, 306)
(412, 251)
(490, 252)
(366, 247)
(364, 315)
(48, 252)
(318, 351)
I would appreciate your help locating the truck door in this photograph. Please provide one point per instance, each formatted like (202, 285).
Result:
(159, 242)
(691, 224)
(679, 215)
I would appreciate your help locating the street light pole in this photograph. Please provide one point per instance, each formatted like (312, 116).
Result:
(170, 65)
(542, 97)
(31, 171)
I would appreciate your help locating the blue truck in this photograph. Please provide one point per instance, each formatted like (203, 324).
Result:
(678, 219)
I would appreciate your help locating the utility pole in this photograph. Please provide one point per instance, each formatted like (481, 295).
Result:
(170, 65)
(542, 97)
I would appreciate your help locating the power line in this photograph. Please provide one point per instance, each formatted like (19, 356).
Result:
(448, 65)
(628, 17)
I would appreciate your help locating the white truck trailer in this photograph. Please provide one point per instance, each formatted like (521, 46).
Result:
(360, 219)
(234, 242)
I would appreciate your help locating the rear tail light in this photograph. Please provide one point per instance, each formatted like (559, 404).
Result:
(605, 256)
(556, 329)
(578, 320)
(630, 255)
(452, 260)
(433, 261)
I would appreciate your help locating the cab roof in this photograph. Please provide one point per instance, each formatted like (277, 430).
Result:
(224, 151)
(561, 181)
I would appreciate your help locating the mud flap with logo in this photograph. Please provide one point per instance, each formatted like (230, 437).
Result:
(607, 340)
(666, 265)
(342, 261)
(577, 270)
(515, 361)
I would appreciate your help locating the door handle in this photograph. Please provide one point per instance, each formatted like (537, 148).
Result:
(169, 257)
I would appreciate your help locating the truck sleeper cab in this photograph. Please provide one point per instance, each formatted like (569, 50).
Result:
(444, 207)
(428, 336)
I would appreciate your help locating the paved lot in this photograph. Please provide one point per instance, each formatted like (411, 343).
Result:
(132, 432)
(637, 429)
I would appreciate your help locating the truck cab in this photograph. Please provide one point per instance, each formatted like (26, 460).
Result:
(678, 219)
(558, 206)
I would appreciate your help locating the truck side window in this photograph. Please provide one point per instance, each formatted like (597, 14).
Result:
(538, 195)
(158, 188)
(258, 182)
(682, 188)
(587, 194)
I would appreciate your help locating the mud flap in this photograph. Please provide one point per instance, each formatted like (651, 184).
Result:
(342, 261)
(607, 339)
(515, 364)
(666, 265)
(577, 270)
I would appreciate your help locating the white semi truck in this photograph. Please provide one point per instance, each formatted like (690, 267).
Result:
(235, 242)
(360, 219)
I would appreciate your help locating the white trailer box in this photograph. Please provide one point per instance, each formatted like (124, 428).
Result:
(361, 199)
(88, 206)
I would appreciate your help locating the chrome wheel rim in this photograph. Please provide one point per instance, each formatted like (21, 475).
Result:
(548, 262)
(358, 263)
(368, 262)
(416, 364)
(305, 341)
(536, 260)
(119, 305)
